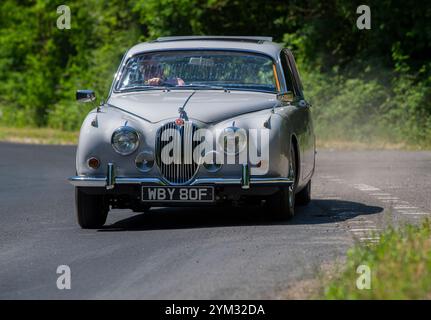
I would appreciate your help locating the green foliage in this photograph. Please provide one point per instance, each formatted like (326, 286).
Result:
(364, 108)
(359, 109)
(362, 83)
(42, 66)
(400, 265)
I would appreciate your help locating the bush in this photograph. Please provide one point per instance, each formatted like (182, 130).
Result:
(365, 109)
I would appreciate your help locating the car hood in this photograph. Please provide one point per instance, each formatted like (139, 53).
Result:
(203, 105)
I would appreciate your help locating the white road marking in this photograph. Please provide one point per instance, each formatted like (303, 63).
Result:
(361, 224)
(388, 198)
(414, 213)
(365, 187)
(405, 207)
(399, 206)
(370, 239)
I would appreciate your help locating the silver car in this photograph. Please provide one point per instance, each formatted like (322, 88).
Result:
(197, 121)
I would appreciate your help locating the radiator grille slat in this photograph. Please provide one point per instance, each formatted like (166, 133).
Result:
(183, 170)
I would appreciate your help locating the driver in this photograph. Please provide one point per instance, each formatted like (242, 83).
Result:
(153, 74)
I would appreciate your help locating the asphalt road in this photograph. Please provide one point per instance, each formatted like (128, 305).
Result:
(194, 253)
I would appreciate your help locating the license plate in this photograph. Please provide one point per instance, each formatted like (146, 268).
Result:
(178, 194)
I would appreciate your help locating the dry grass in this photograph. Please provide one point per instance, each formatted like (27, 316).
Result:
(307, 289)
(301, 290)
(38, 136)
(359, 145)
(337, 142)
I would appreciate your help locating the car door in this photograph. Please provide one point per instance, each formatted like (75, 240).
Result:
(304, 123)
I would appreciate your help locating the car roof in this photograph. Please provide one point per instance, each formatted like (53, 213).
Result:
(262, 45)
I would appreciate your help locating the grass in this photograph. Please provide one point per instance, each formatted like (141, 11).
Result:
(345, 144)
(400, 265)
(38, 136)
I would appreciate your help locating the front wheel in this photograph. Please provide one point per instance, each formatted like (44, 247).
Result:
(282, 204)
(304, 196)
(91, 210)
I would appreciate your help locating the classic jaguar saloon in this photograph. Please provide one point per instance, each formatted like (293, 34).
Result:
(197, 121)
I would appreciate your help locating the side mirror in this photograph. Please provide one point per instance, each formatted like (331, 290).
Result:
(304, 104)
(286, 97)
(85, 95)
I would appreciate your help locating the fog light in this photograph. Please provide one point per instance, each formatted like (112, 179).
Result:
(212, 167)
(210, 163)
(144, 161)
(93, 163)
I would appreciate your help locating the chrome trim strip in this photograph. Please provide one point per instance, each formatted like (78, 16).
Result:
(140, 181)
(82, 181)
(237, 181)
(209, 38)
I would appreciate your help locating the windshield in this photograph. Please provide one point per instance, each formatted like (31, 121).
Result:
(199, 70)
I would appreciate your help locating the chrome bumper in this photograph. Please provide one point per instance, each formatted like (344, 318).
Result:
(111, 180)
(81, 181)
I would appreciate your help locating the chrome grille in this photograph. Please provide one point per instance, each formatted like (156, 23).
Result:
(183, 168)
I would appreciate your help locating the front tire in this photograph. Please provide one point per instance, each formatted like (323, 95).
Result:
(91, 210)
(282, 204)
(304, 196)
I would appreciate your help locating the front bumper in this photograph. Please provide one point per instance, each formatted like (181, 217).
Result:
(110, 180)
(84, 181)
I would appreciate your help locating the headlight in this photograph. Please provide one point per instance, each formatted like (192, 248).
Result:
(233, 140)
(125, 140)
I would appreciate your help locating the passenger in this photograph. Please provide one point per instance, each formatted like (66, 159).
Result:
(153, 74)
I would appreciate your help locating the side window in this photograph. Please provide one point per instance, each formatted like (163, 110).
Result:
(287, 72)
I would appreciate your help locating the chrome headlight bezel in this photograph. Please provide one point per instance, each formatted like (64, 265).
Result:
(144, 161)
(233, 131)
(130, 132)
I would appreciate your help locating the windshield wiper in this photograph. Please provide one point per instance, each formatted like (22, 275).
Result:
(186, 86)
(203, 86)
(143, 88)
